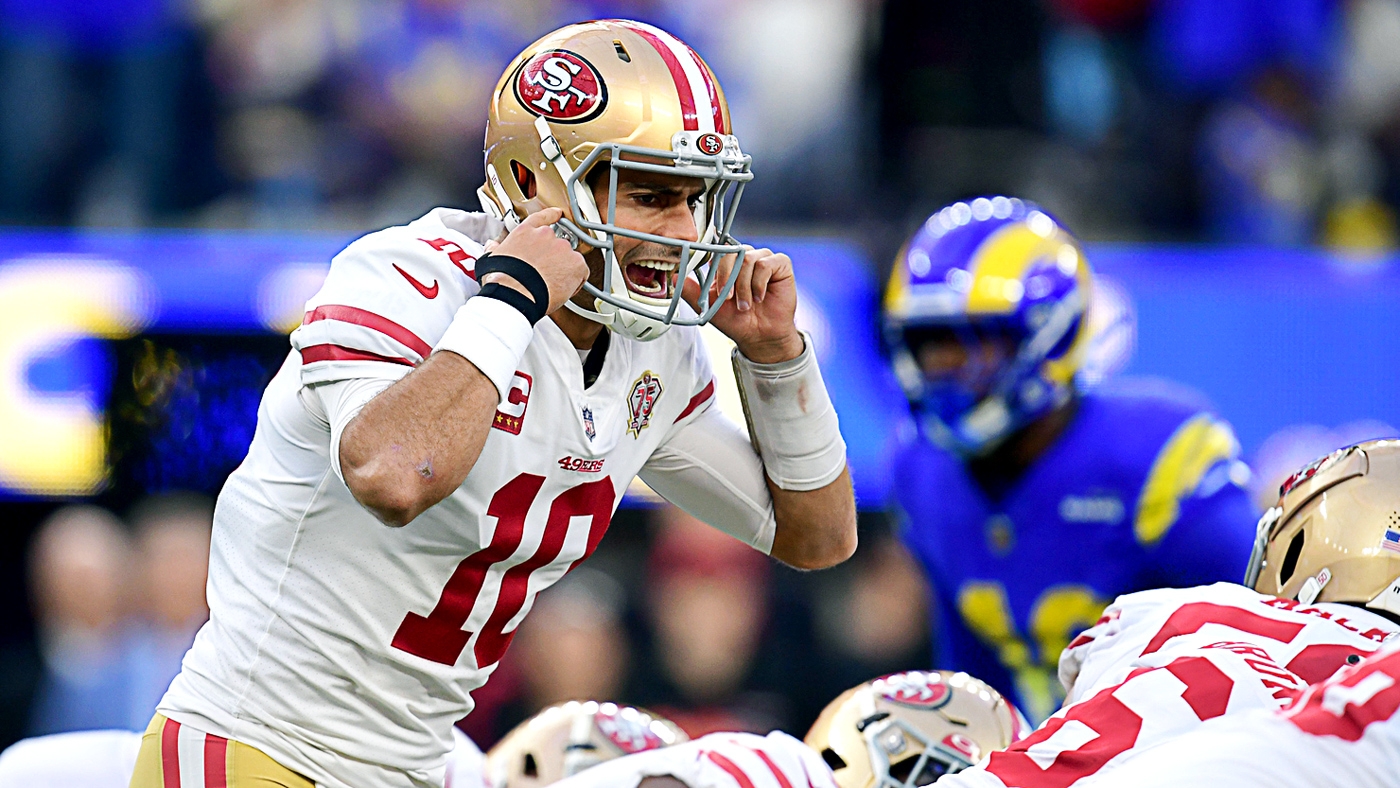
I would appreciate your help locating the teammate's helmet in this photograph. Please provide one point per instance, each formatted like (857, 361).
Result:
(620, 95)
(996, 272)
(1334, 535)
(565, 739)
(909, 729)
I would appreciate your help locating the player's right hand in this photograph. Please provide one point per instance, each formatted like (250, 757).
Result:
(534, 241)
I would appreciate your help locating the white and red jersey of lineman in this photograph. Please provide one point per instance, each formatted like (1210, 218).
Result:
(466, 767)
(1160, 663)
(718, 760)
(345, 649)
(1342, 733)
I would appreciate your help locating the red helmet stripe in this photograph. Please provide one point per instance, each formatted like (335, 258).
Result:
(710, 88)
(673, 64)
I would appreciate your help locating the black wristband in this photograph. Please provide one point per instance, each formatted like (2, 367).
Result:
(532, 311)
(520, 271)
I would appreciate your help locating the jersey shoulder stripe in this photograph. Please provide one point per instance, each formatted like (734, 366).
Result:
(314, 353)
(705, 394)
(1197, 445)
(388, 297)
(368, 319)
(782, 779)
(730, 768)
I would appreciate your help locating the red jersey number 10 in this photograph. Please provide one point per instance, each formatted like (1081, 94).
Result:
(439, 636)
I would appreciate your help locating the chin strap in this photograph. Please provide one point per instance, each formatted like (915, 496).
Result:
(582, 198)
(495, 203)
(626, 323)
(597, 317)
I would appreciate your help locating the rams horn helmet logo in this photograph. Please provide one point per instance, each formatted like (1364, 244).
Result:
(561, 86)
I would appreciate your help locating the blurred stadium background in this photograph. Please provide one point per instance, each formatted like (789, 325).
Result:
(175, 175)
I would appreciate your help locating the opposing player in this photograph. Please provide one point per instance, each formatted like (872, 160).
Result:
(453, 430)
(1030, 503)
(563, 740)
(1160, 663)
(899, 731)
(1342, 733)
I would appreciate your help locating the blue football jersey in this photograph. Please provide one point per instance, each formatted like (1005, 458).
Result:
(1143, 489)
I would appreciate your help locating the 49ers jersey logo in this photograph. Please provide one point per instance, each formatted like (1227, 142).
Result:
(915, 688)
(561, 86)
(645, 392)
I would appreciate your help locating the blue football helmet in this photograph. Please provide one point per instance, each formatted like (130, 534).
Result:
(986, 317)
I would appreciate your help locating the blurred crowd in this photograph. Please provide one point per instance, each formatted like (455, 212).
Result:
(116, 605)
(709, 633)
(1249, 121)
(663, 616)
(1271, 122)
(298, 114)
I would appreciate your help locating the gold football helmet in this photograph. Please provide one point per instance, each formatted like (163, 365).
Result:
(565, 739)
(1334, 535)
(909, 729)
(628, 96)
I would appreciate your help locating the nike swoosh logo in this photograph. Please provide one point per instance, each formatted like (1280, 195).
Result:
(427, 292)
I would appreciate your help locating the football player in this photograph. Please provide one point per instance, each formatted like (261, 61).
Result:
(909, 729)
(900, 731)
(567, 738)
(1326, 593)
(454, 429)
(1342, 733)
(1030, 503)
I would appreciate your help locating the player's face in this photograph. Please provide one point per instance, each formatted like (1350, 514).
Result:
(968, 358)
(654, 203)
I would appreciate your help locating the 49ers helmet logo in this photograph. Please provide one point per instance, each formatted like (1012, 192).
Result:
(710, 144)
(626, 728)
(561, 86)
(916, 688)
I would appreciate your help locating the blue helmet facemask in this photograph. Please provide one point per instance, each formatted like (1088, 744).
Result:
(972, 409)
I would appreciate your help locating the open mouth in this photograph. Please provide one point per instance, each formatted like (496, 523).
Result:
(651, 278)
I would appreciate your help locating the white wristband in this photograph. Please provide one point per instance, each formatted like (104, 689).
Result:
(791, 420)
(492, 335)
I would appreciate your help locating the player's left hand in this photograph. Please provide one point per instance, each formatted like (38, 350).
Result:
(759, 313)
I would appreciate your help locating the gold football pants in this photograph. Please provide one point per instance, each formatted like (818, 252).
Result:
(177, 756)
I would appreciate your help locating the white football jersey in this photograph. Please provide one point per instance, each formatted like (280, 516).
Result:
(87, 759)
(346, 649)
(1342, 733)
(1159, 663)
(466, 767)
(718, 760)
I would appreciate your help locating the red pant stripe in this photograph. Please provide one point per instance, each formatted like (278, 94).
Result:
(215, 761)
(170, 754)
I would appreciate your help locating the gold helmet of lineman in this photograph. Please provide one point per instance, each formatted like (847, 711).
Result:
(1334, 535)
(588, 101)
(567, 738)
(909, 729)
